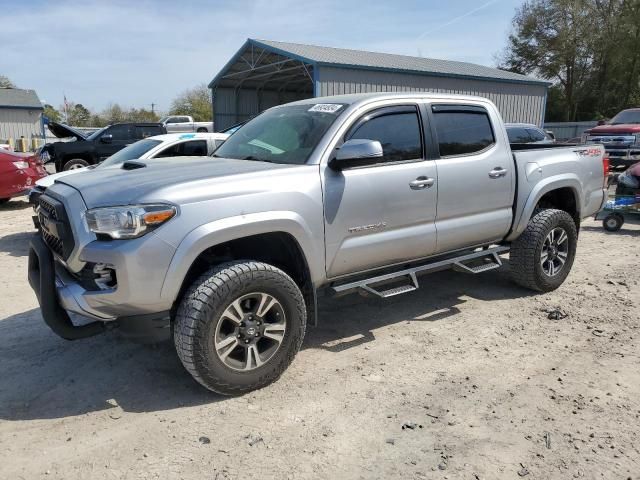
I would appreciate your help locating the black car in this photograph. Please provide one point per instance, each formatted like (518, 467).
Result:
(89, 149)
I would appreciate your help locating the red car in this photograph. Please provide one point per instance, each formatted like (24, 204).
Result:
(18, 172)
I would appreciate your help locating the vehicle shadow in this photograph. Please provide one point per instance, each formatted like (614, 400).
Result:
(15, 204)
(349, 321)
(16, 244)
(626, 232)
(44, 376)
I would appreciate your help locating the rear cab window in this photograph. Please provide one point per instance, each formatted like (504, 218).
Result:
(518, 135)
(462, 129)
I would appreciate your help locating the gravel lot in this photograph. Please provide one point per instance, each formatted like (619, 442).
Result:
(466, 378)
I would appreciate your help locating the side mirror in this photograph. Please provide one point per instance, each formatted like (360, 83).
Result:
(106, 138)
(357, 152)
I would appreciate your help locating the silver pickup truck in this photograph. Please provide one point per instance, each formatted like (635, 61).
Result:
(339, 194)
(185, 123)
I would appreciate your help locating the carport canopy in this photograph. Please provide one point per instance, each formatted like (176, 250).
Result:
(261, 67)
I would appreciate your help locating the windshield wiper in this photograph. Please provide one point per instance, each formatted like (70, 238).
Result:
(251, 157)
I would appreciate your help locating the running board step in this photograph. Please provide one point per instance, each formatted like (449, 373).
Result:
(463, 263)
(392, 292)
(494, 263)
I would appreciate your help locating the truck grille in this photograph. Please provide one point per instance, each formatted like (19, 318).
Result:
(54, 226)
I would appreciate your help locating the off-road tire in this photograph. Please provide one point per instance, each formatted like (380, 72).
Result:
(613, 222)
(526, 250)
(201, 308)
(75, 163)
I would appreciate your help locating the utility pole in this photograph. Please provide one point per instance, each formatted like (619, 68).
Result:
(153, 106)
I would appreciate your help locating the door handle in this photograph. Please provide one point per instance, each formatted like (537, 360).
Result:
(498, 172)
(421, 182)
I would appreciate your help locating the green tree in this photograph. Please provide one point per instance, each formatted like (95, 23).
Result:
(195, 102)
(79, 116)
(5, 82)
(51, 113)
(554, 39)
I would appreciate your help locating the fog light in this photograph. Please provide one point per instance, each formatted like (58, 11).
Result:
(105, 276)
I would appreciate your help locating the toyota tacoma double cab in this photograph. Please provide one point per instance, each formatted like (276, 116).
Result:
(340, 194)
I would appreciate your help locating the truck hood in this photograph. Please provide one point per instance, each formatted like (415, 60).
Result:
(118, 186)
(65, 131)
(615, 129)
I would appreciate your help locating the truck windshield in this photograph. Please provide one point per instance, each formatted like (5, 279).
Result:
(286, 134)
(131, 152)
(626, 116)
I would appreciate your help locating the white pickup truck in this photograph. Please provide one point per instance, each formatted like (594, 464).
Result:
(185, 123)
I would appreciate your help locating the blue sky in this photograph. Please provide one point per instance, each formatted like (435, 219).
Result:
(139, 51)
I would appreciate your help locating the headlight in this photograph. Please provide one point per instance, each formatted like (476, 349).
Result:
(21, 165)
(128, 222)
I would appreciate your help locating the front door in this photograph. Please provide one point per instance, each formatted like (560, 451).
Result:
(121, 136)
(476, 181)
(383, 213)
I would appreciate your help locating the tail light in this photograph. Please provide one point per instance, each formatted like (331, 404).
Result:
(605, 169)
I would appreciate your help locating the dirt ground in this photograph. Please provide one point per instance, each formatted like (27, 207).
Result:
(466, 378)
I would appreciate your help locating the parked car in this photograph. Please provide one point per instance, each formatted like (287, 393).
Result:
(185, 123)
(527, 133)
(160, 146)
(18, 172)
(344, 195)
(91, 149)
(620, 137)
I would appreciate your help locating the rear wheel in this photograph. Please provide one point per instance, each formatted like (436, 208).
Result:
(202, 130)
(541, 258)
(613, 222)
(75, 164)
(239, 326)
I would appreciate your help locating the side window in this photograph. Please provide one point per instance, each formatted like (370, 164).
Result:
(398, 133)
(144, 131)
(183, 119)
(536, 135)
(172, 120)
(518, 135)
(217, 143)
(194, 147)
(462, 130)
(119, 132)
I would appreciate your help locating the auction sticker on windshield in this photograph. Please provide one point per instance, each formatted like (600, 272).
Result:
(326, 107)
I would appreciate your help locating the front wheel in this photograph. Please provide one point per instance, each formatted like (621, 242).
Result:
(541, 258)
(75, 164)
(239, 326)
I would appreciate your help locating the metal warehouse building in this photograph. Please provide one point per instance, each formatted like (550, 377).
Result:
(20, 113)
(265, 73)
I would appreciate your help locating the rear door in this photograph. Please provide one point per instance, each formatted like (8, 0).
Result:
(476, 180)
(374, 214)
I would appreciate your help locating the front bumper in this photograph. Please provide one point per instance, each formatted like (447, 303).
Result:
(59, 294)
